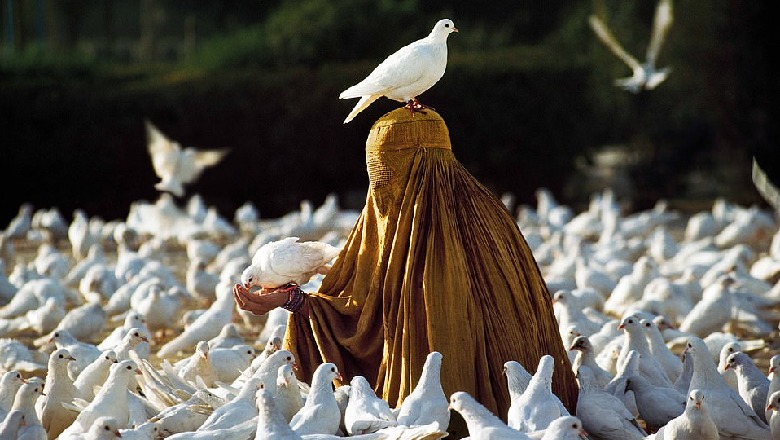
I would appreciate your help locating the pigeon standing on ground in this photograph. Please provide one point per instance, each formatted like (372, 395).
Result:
(320, 414)
(110, 401)
(288, 392)
(405, 74)
(774, 383)
(603, 414)
(753, 386)
(772, 408)
(481, 423)
(10, 425)
(427, 403)
(585, 356)
(238, 410)
(656, 405)
(565, 428)
(733, 417)
(9, 385)
(644, 76)
(95, 374)
(59, 389)
(365, 412)
(174, 165)
(694, 423)
(537, 407)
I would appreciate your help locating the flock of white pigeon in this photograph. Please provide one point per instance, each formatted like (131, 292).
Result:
(129, 328)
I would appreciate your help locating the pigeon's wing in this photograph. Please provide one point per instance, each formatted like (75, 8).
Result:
(661, 24)
(265, 252)
(299, 258)
(765, 186)
(193, 162)
(404, 67)
(612, 44)
(162, 150)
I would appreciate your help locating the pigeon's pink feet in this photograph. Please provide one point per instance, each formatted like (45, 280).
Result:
(416, 106)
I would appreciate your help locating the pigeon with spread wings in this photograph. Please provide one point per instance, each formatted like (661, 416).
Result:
(644, 76)
(177, 166)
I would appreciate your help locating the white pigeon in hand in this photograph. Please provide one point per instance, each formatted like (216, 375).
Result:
(287, 261)
(320, 414)
(405, 74)
(366, 413)
(176, 166)
(427, 403)
(644, 76)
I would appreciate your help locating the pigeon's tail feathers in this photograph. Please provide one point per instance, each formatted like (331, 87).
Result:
(364, 102)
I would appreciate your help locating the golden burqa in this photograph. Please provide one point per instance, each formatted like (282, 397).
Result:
(435, 262)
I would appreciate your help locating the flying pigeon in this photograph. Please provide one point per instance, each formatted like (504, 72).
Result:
(644, 76)
(177, 166)
(405, 74)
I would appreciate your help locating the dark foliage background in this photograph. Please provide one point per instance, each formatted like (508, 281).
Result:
(528, 97)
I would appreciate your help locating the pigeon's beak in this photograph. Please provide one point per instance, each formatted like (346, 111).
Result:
(621, 326)
(295, 366)
(769, 407)
(137, 371)
(584, 434)
(339, 377)
(455, 29)
(118, 434)
(771, 369)
(70, 358)
(144, 338)
(726, 367)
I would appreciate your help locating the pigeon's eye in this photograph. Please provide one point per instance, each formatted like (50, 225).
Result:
(690, 346)
(333, 369)
(57, 335)
(447, 25)
(574, 425)
(249, 352)
(18, 376)
(262, 386)
(106, 428)
(630, 321)
(289, 358)
(690, 398)
(647, 324)
(129, 367)
(61, 356)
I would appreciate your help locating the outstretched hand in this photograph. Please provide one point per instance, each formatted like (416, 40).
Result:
(258, 303)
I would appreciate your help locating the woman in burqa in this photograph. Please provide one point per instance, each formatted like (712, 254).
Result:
(435, 262)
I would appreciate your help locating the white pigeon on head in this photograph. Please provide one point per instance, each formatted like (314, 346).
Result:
(405, 74)
(176, 166)
(287, 261)
(643, 76)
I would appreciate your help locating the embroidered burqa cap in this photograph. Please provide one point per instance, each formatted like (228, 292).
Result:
(435, 262)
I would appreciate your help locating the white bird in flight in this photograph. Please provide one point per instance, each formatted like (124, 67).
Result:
(177, 166)
(406, 73)
(644, 76)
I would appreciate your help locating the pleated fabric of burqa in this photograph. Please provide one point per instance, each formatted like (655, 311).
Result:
(435, 262)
